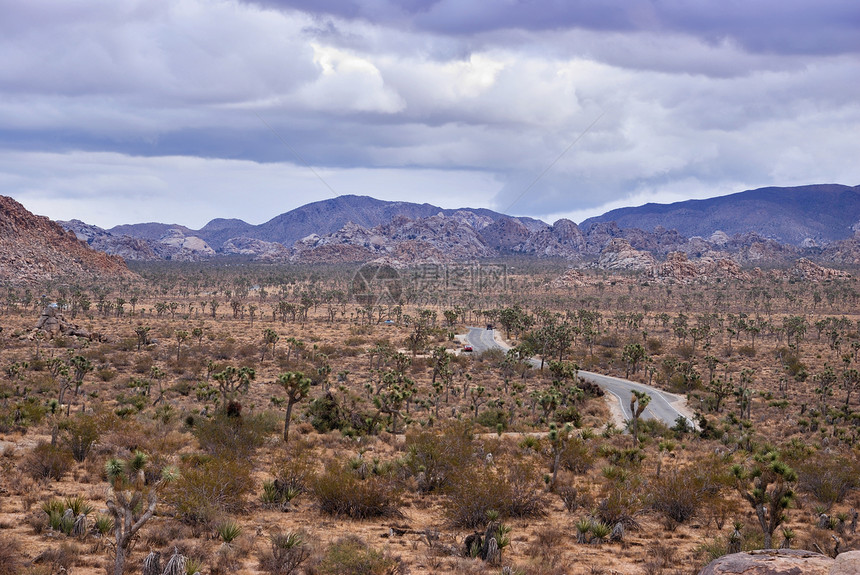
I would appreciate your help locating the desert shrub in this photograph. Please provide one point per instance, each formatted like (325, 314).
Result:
(677, 495)
(212, 487)
(286, 553)
(493, 418)
(828, 477)
(106, 374)
(621, 501)
(59, 559)
(22, 413)
(569, 414)
(352, 556)
(654, 346)
(236, 437)
(11, 556)
(293, 472)
(46, 461)
(340, 490)
(576, 456)
(512, 489)
(746, 350)
(326, 415)
(438, 455)
(81, 432)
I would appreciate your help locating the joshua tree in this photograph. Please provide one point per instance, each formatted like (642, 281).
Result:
(181, 336)
(639, 400)
(297, 387)
(270, 338)
(132, 502)
(767, 487)
(142, 333)
(82, 367)
(232, 380)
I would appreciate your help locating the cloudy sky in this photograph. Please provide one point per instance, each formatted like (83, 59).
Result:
(121, 111)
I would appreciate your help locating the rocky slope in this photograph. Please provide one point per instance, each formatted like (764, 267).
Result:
(161, 242)
(36, 249)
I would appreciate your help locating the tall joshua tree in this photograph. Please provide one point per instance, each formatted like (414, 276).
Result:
(297, 387)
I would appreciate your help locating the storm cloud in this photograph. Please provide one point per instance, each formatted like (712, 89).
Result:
(185, 110)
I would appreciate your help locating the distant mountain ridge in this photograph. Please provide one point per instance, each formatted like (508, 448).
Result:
(321, 218)
(765, 227)
(822, 213)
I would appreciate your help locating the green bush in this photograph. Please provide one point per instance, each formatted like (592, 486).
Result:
(493, 418)
(576, 456)
(340, 490)
(352, 556)
(81, 432)
(326, 415)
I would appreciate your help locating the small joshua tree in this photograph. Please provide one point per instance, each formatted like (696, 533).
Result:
(132, 502)
(767, 487)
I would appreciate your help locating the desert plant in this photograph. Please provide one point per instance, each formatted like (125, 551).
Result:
(11, 556)
(767, 487)
(46, 461)
(829, 477)
(352, 556)
(511, 489)
(209, 488)
(296, 386)
(435, 457)
(228, 531)
(340, 490)
(132, 502)
(233, 437)
(287, 552)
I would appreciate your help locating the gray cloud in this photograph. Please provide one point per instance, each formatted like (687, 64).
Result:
(386, 98)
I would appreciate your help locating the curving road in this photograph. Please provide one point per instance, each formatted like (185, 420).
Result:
(663, 406)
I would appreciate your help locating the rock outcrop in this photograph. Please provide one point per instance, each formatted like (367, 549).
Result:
(620, 255)
(679, 268)
(810, 271)
(51, 322)
(36, 249)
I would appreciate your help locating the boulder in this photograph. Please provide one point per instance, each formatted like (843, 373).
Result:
(847, 563)
(771, 562)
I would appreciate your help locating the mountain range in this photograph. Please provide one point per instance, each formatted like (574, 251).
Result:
(768, 226)
(810, 215)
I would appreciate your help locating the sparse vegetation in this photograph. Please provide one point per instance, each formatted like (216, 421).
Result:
(393, 431)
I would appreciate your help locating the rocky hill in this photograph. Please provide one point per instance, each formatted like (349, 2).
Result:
(321, 218)
(36, 249)
(803, 216)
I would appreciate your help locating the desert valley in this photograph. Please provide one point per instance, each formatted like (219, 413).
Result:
(360, 386)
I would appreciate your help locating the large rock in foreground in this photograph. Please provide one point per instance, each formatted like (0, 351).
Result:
(782, 562)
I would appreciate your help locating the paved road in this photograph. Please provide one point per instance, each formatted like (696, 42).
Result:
(663, 405)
